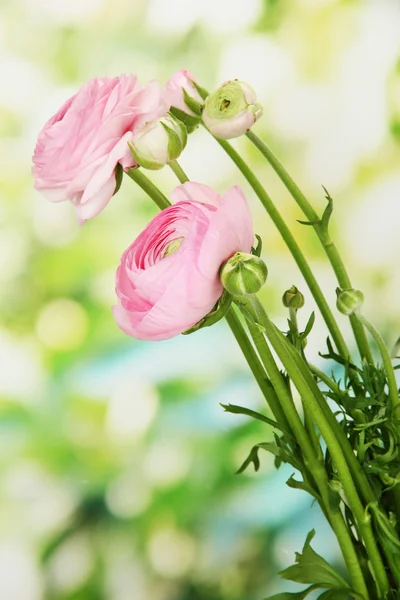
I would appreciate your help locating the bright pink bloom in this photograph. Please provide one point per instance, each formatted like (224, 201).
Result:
(168, 279)
(80, 146)
(173, 94)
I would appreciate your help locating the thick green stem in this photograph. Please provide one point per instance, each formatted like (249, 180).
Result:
(254, 308)
(327, 243)
(179, 172)
(292, 245)
(308, 422)
(387, 362)
(256, 368)
(312, 462)
(149, 188)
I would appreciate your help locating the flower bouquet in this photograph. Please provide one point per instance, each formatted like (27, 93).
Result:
(200, 260)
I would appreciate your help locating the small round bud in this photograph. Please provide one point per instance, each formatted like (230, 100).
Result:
(292, 298)
(243, 274)
(349, 301)
(231, 110)
(159, 142)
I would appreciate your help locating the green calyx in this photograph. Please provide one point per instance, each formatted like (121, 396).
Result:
(243, 274)
(216, 314)
(349, 301)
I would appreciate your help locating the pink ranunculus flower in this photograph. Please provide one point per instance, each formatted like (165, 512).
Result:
(168, 279)
(79, 148)
(173, 94)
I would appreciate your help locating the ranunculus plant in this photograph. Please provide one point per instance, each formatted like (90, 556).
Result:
(198, 261)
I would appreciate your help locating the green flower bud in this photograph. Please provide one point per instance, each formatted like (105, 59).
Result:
(159, 142)
(231, 110)
(243, 274)
(292, 298)
(349, 301)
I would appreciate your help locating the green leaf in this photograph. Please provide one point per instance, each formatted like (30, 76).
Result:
(301, 485)
(312, 223)
(336, 595)
(310, 567)
(254, 458)
(293, 595)
(241, 410)
(257, 250)
(326, 215)
(309, 326)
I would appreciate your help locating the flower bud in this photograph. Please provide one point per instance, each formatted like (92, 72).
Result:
(159, 142)
(293, 298)
(231, 110)
(183, 94)
(243, 274)
(349, 301)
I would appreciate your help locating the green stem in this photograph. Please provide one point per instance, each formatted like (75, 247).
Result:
(253, 306)
(387, 362)
(179, 172)
(324, 378)
(327, 243)
(315, 465)
(292, 245)
(256, 368)
(233, 321)
(308, 422)
(149, 188)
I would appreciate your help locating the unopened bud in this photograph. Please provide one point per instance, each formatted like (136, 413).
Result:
(293, 298)
(349, 301)
(182, 94)
(159, 142)
(231, 110)
(243, 274)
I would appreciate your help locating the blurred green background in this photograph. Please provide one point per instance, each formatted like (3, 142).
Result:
(117, 462)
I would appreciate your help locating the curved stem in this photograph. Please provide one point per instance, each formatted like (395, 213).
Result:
(324, 378)
(315, 465)
(327, 243)
(179, 172)
(387, 362)
(254, 307)
(148, 186)
(292, 245)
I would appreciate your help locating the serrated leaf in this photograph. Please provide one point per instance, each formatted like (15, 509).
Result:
(254, 458)
(301, 485)
(310, 567)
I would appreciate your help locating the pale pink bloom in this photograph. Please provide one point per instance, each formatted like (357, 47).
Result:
(173, 94)
(168, 279)
(79, 148)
